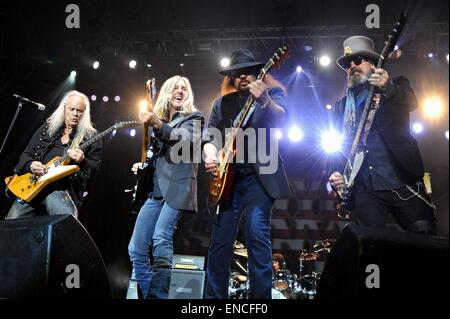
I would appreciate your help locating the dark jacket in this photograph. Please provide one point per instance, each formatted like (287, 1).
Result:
(178, 181)
(224, 111)
(75, 184)
(393, 124)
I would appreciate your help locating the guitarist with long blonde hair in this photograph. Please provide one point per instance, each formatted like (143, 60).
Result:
(68, 126)
(176, 123)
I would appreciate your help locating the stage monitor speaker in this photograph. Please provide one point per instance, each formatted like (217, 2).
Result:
(186, 284)
(368, 263)
(50, 257)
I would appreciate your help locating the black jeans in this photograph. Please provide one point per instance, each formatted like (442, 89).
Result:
(413, 214)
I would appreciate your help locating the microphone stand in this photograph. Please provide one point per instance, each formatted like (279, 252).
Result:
(19, 107)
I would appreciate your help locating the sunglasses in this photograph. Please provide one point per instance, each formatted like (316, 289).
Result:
(357, 60)
(248, 71)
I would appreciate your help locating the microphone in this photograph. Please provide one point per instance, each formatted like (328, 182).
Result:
(41, 107)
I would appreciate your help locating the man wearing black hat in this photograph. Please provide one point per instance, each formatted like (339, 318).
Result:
(391, 176)
(254, 192)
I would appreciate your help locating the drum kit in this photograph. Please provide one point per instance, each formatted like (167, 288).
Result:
(284, 285)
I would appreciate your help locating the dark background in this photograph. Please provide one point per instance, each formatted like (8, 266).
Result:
(37, 53)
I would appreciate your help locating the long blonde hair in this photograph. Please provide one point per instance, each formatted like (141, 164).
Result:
(163, 103)
(56, 120)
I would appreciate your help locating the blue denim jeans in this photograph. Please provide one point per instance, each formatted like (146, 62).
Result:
(153, 232)
(251, 201)
(55, 203)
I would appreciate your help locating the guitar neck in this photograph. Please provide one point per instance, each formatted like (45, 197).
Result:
(96, 138)
(145, 142)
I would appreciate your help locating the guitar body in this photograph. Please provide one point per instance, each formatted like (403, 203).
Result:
(28, 186)
(143, 186)
(345, 203)
(221, 186)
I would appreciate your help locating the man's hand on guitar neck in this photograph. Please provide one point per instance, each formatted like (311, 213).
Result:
(151, 119)
(259, 90)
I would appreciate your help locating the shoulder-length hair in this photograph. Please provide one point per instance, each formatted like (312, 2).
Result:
(163, 101)
(56, 120)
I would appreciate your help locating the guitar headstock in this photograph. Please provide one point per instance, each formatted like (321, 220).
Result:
(394, 35)
(151, 88)
(277, 58)
(151, 93)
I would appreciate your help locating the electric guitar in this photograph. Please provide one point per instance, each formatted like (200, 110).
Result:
(149, 147)
(27, 186)
(221, 185)
(357, 152)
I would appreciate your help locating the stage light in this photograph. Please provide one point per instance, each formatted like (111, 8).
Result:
(105, 99)
(143, 105)
(299, 69)
(113, 133)
(329, 188)
(430, 55)
(433, 107)
(132, 64)
(132, 132)
(279, 134)
(73, 73)
(93, 98)
(331, 141)
(117, 98)
(329, 106)
(447, 57)
(396, 48)
(324, 60)
(181, 65)
(96, 65)
(417, 128)
(224, 62)
(148, 65)
(446, 134)
(295, 134)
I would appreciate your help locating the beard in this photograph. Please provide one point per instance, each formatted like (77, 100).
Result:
(357, 78)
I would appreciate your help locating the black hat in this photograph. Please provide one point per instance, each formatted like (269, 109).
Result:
(241, 59)
(358, 46)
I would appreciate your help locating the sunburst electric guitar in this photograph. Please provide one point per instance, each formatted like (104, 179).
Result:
(27, 186)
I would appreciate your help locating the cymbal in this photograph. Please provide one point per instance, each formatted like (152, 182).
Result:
(238, 245)
(240, 277)
(323, 244)
(309, 256)
(241, 252)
